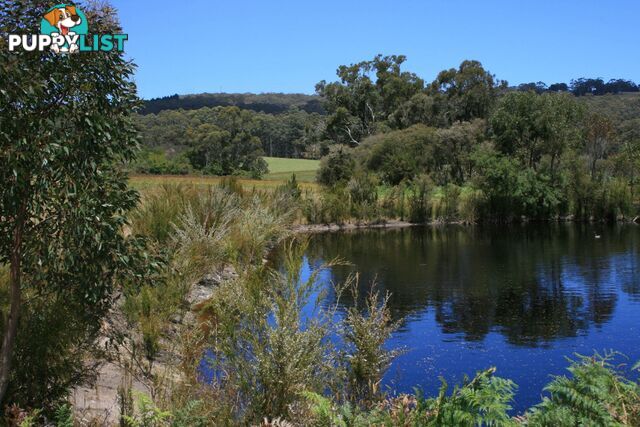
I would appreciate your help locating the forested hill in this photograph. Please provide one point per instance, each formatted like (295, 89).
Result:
(272, 103)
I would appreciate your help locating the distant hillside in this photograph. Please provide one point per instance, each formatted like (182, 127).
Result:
(621, 107)
(273, 103)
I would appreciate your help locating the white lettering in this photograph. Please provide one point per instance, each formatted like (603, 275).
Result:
(44, 40)
(14, 41)
(30, 46)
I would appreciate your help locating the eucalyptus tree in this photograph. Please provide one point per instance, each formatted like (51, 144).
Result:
(466, 93)
(366, 95)
(65, 128)
(530, 126)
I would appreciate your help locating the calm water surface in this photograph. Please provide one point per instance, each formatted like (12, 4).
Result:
(520, 298)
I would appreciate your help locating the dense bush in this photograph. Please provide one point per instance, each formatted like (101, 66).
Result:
(156, 162)
(337, 167)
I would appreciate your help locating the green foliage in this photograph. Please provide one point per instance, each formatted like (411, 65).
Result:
(482, 401)
(262, 344)
(419, 202)
(470, 203)
(157, 162)
(365, 331)
(275, 103)
(64, 137)
(294, 133)
(444, 203)
(358, 102)
(64, 416)
(595, 394)
(146, 414)
(336, 168)
(331, 206)
(400, 155)
(464, 94)
(226, 148)
(529, 126)
(363, 196)
(323, 411)
(159, 211)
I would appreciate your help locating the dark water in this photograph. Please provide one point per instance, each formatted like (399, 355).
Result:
(520, 298)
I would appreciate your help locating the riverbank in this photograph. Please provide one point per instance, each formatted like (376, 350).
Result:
(391, 224)
(324, 228)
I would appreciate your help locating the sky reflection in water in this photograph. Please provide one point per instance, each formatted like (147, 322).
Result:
(521, 298)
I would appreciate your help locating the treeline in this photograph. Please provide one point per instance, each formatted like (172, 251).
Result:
(228, 133)
(272, 103)
(278, 103)
(583, 86)
(464, 147)
(226, 140)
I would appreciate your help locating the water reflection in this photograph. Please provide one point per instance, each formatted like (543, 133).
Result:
(532, 284)
(521, 298)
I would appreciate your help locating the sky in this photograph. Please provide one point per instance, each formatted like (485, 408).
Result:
(195, 46)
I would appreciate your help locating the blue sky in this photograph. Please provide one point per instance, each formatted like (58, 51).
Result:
(193, 46)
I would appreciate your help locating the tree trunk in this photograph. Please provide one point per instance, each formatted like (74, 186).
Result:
(15, 300)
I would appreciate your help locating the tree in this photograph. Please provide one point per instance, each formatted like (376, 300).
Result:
(224, 145)
(599, 135)
(584, 86)
(559, 87)
(65, 126)
(400, 155)
(537, 87)
(529, 126)
(359, 102)
(419, 109)
(206, 145)
(466, 93)
(456, 145)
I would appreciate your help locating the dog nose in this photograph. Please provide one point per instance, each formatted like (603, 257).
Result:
(75, 18)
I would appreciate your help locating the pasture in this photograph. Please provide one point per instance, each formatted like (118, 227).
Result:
(280, 170)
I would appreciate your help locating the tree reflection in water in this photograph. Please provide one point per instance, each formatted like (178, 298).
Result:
(533, 284)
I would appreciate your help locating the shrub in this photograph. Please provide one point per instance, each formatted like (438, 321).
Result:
(363, 195)
(420, 189)
(263, 345)
(336, 168)
(365, 330)
(156, 162)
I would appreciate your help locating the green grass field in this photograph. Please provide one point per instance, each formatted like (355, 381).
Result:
(281, 169)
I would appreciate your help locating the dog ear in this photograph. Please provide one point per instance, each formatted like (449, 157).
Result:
(71, 10)
(52, 17)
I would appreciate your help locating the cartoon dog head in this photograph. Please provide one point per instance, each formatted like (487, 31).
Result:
(63, 18)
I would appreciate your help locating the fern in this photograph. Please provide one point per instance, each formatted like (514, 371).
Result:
(594, 394)
(64, 416)
(481, 401)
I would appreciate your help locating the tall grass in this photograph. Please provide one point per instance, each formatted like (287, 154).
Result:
(256, 353)
(191, 231)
